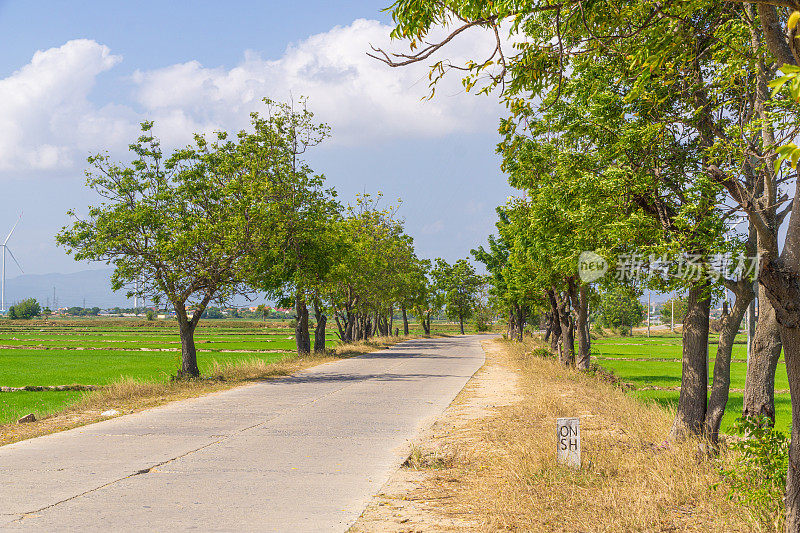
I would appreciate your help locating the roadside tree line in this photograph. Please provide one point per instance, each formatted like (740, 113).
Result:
(242, 214)
(649, 129)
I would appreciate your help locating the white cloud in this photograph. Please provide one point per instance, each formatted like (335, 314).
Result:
(47, 119)
(363, 99)
(45, 114)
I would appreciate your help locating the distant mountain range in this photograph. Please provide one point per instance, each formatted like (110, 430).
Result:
(70, 289)
(91, 286)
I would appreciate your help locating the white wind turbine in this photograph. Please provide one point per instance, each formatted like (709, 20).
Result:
(4, 246)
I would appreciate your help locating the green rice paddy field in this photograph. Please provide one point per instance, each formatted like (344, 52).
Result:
(97, 352)
(100, 351)
(653, 366)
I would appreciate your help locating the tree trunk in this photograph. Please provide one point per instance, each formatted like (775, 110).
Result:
(350, 328)
(791, 349)
(522, 319)
(780, 280)
(548, 327)
(405, 320)
(580, 298)
(382, 325)
(759, 385)
(517, 316)
(426, 323)
(692, 402)
(765, 348)
(301, 334)
(555, 339)
(341, 327)
(376, 324)
(319, 332)
(461, 323)
(391, 318)
(189, 367)
(774, 34)
(721, 384)
(567, 352)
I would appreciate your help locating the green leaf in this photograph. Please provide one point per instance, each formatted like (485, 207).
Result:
(795, 157)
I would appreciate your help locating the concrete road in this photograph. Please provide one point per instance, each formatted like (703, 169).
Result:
(304, 453)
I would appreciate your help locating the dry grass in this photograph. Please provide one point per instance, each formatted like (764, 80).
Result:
(131, 395)
(422, 459)
(503, 474)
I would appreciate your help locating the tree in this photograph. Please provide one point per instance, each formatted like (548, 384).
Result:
(621, 309)
(484, 311)
(191, 226)
(460, 285)
(512, 298)
(375, 268)
(307, 250)
(214, 313)
(674, 308)
(712, 53)
(25, 310)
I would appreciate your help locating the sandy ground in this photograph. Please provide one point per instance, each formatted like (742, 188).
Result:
(416, 499)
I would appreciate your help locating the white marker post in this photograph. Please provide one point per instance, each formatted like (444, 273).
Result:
(568, 441)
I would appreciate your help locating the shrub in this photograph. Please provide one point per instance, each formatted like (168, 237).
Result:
(543, 353)
(481, 323)
(26, 309)
(150, 315)
(758, 474)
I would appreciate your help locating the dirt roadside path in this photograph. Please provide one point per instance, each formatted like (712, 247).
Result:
(488, 463)
(418, 497)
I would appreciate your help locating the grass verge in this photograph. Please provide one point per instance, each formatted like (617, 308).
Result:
(128, 395)
(501, 475)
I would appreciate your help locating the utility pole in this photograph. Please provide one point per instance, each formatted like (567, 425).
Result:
(672, 315)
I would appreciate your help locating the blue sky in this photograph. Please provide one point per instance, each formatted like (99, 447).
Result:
(76, 77)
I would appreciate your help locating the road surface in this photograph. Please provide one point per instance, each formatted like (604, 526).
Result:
(304, 453)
